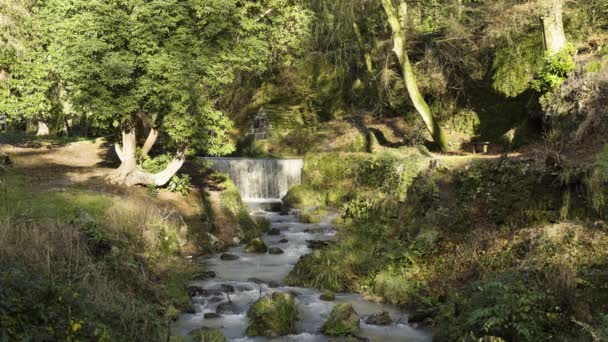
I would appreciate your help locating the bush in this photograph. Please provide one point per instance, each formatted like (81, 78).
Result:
(343, 321)
(180, 184)
(556, 69)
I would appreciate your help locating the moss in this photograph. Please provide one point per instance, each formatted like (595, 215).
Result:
(256, 246)
(327, 296)
(274, 315)
(343, 321)
(208, 335)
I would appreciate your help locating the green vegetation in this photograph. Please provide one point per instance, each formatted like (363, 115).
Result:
(343, 321)
(208, 335)
(77, 265)
(473, 245)
(274, 315)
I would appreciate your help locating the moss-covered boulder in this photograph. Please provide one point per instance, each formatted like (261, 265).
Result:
(343, 321)
(274, 315)
(256, 246)
(381, 318)
(327, 295)
(208, 335)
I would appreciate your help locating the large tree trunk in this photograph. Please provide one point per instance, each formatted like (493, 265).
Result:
(553, 26)
(129, 173)
(126, 153)
(43, 129)
(150, 140)
(397, 23)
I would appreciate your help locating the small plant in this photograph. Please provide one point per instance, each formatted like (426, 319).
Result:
(179, 184)
(556, 69)
(152, 190)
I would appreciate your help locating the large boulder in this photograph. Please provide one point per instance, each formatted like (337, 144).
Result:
(273, 316)
(381, 318)
(256, 246)
(208, 335)
(343, 321)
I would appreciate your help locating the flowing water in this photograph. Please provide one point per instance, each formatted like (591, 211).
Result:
(254, 275)
(264, 178)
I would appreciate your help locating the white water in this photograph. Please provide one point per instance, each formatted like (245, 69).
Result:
(263, 178)
(271, 269)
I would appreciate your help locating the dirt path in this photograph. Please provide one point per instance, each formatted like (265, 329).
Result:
(83, 166)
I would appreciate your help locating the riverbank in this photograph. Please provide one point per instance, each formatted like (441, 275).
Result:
(82, 259)
(476, 247)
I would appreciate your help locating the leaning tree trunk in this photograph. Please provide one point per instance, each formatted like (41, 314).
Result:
(43, 129)
(397, 23)
(553, 27)
(129, 173)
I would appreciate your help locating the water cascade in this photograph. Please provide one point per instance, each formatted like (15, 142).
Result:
(260, 179)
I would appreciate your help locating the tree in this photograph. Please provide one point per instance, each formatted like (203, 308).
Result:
(161, 63)
(397, 18)
(553, 26)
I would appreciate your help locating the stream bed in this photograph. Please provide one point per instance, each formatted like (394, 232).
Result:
(241, 282)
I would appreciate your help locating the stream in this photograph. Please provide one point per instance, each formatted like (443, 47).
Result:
(254, 275)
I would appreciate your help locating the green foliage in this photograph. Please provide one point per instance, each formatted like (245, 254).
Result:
(593, 67)
(596, 182)
(514, 65)
(343, 321)
(557, 67)
(180, 184)
(156, 164)
(506, 307)
(274, 315)
(256, 246)
(208, 335)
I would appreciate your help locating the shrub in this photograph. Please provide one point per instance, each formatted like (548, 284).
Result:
(343, 321)
(180, 184)
(556, 69)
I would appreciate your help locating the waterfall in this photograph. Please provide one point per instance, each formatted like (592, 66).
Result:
(260, 179)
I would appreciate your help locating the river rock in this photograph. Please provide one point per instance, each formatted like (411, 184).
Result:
(381, 318)
(226, 308)
(205, 275)
(283, 241)
(229, 257)
(244, 288)
(343, 321)
(274, 284)
(211, 315)
(274, 315)
(275, 250)
(215, 299)
(317, 244)
(194, 290)
(256, 246)
(255, 281)
(227, 288)
(274, 231)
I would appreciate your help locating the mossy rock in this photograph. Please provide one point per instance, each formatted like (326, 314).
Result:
(381, 318)
(208, 335)
(275, 250)
(273, 316)
(256, 246)
(343, 321)
(327, 296)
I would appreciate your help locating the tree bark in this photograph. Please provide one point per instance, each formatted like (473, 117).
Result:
(129, 173)
(43, 129)
(553, 27)
(126, 154)
(398, 23)
(142, 177)
(150, 140)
